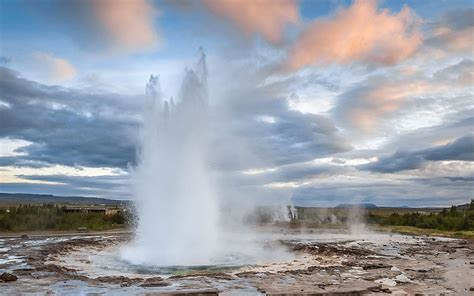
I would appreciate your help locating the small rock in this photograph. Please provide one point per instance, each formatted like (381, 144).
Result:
(471, 289)
(394, 268)
(8, 277)
(402, 279)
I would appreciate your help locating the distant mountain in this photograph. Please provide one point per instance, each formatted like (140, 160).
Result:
(47, 198)
(360, 205)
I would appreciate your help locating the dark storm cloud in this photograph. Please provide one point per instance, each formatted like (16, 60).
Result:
(20, 162)
(277, 134)
(460, 149)
(255, 129)
(67, 126)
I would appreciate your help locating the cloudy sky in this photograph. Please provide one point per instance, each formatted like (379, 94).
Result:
(338, 101)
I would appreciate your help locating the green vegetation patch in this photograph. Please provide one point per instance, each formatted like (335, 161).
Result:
(54, 217)
(458, 221)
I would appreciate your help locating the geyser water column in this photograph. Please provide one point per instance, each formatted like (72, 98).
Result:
(176, 204)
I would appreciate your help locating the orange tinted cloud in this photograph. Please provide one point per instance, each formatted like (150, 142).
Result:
(128, 23)
(360, 32)
(365, 107)
(383, 101)
(266, 17)
(56, 69)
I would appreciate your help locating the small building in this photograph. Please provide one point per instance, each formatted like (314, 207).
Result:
(92, 209)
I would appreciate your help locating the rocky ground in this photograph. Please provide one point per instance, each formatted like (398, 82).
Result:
(374, 264)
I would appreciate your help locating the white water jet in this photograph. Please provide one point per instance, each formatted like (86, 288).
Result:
(181, 222)
(176, 204)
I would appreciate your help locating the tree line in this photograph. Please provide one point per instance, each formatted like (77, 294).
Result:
(454, 218)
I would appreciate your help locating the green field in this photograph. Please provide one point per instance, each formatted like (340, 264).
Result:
(410, 230)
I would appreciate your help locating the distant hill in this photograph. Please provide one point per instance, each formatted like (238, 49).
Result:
(463, 207)
(47, 198)
(361, 205)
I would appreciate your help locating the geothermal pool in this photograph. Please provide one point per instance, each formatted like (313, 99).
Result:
(293, 261)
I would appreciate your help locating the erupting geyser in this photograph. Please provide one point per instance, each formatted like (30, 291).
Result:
(176, 203)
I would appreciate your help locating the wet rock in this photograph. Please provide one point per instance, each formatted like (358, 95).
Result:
(23, 271)
(327, 249)
(121, 280)
(155, 283)
(247, 274)
(221, 276)
(380, 289)
(8, 277)
(375, 265)
(214, 275)
(55, 268)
